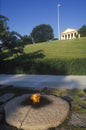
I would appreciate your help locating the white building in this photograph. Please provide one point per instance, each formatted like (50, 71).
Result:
(69, 33)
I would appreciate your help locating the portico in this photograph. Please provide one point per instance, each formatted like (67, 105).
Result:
(69, 33)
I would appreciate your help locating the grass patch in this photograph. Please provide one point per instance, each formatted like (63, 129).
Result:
(76, 91)
(60, 49)
(65, 57)
(73, 96)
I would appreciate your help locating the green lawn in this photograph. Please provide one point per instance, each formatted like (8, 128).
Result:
(60, 49)
(64, 57)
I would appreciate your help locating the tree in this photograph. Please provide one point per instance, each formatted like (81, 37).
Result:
(11, 40)
(82, 31)
(3, 24)
(3, 29)
(42, 33)
(26, 40)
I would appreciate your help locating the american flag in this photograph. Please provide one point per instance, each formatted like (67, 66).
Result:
(59, 5)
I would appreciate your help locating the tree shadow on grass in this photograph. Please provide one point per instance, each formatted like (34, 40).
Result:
(31, 56)
(21, 64)
(36, 54)
(4, 55)
(26, 58)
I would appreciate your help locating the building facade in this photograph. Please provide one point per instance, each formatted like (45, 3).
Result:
(69, 33)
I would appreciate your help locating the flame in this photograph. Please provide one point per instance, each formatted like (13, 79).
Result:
(35, 98)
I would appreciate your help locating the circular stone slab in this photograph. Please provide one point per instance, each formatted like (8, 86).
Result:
(50, 112)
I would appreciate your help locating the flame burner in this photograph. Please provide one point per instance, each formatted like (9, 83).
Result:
(35, 98)
(37, 101)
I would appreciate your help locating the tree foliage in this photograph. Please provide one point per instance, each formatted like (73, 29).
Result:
(3, 24)
(26, 39)
(11, 40)
(82, 31)
(42, 33)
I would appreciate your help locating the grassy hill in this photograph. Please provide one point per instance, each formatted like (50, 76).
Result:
(56, 57)
(60, 49)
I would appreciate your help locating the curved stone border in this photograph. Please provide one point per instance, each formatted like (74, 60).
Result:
(26, 116)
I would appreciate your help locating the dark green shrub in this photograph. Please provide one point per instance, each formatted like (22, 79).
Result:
(50, 66)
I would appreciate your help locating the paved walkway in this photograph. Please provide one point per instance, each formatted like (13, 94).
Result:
(40, 81)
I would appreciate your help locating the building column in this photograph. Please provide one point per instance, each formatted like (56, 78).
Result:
(73, 35)
(67, 36)
(78, 35)
(70, 35)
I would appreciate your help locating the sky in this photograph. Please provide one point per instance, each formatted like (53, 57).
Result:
(24, 15)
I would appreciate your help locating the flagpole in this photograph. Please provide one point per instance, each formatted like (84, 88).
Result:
(58, 22)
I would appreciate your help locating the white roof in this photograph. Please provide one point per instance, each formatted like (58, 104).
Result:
(69, 30)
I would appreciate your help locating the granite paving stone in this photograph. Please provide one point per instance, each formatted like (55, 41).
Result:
(32, 117)
(6, 97)
(78, 120)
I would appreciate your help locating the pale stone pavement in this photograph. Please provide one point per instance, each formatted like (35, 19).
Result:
(40, 81)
